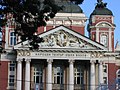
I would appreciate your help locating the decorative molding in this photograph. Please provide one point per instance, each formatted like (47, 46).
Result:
(96, 55)
(28, 60)
(92, 61)
(19, 60)
(101, 62)
(23, 53)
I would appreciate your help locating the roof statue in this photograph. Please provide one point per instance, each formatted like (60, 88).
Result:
(101, 9)
(99, 1)
(100, 4)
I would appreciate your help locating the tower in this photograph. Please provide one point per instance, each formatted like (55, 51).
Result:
(101, 25)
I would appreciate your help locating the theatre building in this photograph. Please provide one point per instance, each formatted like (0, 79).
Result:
(67, 59)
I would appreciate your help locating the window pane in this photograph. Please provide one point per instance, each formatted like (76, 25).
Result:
(38, 74)
(82, 80)
(11, 80)
(118, 81)
(78, 80)
(11, 84)
(55, 80)
(37, 79)
(61, 80)
(58, 75)
(58, 80)
(12, 38)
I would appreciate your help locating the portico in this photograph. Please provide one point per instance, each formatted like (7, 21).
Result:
(65, 61)
(72, 61)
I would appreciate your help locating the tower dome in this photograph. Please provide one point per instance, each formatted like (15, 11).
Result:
(69, 7)
(101, 9)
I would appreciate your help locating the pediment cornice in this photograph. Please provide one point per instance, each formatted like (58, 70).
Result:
(62, 37)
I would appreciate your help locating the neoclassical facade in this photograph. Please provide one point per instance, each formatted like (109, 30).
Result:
(67, 59)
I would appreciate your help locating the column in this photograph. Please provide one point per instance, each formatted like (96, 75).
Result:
(19, 74)
(71, 75)
(27, 74)
(49, 74)
(92, 75)
(100, 74)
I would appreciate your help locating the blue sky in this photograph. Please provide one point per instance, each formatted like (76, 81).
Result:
(89, 5)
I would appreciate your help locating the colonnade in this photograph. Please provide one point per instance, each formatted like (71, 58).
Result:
(49, 74)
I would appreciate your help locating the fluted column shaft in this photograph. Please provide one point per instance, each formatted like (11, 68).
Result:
(27, 74)
(92, 75)
(19, 74)
(100, 74)
(71, 75)
(49, 74)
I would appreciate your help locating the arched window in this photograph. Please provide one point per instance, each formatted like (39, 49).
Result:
(104, 39)
(12, 39)
(118, 73)
(118, 79)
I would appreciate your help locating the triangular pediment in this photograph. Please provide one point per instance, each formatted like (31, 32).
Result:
(63, 37)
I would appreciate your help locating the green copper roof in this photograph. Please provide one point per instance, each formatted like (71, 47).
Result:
(70, 8)
(101, 9)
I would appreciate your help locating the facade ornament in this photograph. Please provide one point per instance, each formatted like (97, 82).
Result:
(101, 62)
(50, 61)
(96, 55)
(19, 60)
(92, 61)
(62, 39)
(71, 61)
(23, 53)
(28, 60)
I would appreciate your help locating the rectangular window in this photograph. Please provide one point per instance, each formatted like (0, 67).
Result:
(78, 75)
(105, 68)
(105, 80)
(11, 80)
(12, 39)
(58, 75)
(12, 66)
(38, 74)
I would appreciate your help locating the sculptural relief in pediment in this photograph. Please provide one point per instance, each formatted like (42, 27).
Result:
(63, 39)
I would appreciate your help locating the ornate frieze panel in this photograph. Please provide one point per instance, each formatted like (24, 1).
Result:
(62, 38)
(23, 53)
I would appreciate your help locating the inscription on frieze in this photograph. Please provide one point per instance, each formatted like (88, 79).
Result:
(62, 55)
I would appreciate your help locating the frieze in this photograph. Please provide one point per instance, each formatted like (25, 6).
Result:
(60, 55)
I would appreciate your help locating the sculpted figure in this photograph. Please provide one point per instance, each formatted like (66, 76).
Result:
(99, 1)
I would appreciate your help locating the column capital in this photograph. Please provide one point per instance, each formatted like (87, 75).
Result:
(92, 61)
(28, 60)
(50, 61)
(19, 60)
(71, 61)
(101, 62)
